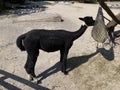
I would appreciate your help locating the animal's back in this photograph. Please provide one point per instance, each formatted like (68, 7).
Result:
(49, 40)
(42, 33)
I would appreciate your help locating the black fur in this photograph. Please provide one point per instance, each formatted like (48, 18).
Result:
(89, 22)
(49, 41)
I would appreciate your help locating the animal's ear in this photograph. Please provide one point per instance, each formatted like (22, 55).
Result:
(88, 20)
(81, 18)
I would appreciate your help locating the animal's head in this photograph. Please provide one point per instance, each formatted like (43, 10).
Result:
(88, 20)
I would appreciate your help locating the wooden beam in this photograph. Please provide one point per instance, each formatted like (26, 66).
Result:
(106, 8)
(112, 23)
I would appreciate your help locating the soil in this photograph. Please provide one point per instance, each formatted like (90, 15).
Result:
(88, 68)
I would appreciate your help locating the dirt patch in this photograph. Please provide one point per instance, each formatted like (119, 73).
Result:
(88, 68)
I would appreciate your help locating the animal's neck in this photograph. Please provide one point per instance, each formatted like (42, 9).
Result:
(79, 32)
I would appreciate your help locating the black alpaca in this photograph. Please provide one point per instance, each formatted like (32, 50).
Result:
(49, 41)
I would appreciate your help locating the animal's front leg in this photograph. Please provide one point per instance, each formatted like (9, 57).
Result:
(64, 62)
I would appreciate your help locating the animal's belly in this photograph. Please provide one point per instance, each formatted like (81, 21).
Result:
(51, 45)
(51, 48)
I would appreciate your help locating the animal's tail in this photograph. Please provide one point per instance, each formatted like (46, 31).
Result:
(19, 42)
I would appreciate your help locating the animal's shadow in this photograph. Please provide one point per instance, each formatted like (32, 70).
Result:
(107, 54)
(75, 62)
(9, 86)
(72, 63)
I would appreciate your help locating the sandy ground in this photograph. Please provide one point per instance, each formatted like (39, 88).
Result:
(88, 69)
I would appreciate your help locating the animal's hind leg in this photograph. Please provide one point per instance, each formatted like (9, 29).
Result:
(30, 64)
(64, 56)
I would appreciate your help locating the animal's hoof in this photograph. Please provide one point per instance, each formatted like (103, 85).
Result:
(35, 80)
(30, 78)
(65, 73)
